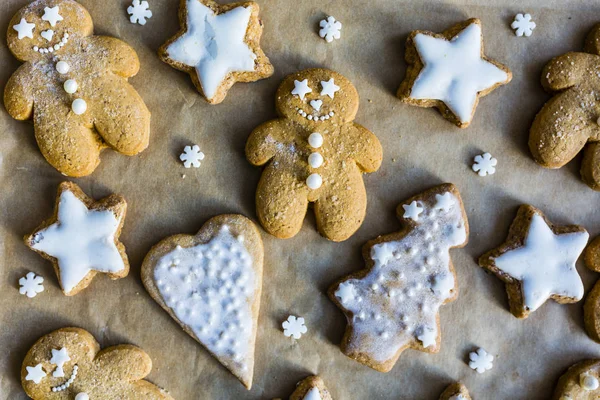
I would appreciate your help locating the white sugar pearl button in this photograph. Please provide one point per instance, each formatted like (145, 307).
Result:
(70, 86)
(62, 67)
(82, 396)
(79, 106)
(314, 181)
(315, 140)
(588, 382)
(315, 160)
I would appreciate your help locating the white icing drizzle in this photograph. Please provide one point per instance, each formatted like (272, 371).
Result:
(210, 288)
(397, 302)
(214, 44)
(312, 394)
(454, 71)
(69, 382)
(545, 264)
(57, 46)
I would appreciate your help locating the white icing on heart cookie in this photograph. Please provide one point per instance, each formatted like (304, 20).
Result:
(545, 264)
(211, 288)
(454, 71)
(398, 301)
(214, 44)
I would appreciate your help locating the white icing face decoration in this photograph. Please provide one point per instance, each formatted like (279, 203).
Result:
(24, 29)
(301, 89)
(48, 34)
(35, 374)
(52, 15)
(59, 358)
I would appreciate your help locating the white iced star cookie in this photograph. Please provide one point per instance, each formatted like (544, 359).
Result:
(82, 238)
(217, 46)
(450, 71)
(537, 262)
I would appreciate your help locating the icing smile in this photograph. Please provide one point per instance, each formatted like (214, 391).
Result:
(52, 48)
(315, 117)
(68, 382)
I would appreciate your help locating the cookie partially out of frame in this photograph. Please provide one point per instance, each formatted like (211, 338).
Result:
(591, 307)
(537, 262)
(210, 284)
(449, 71)
(456, 391)
(580, 382)
(218, 45)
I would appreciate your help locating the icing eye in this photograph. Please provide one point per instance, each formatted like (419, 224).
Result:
(24, 29)
(301, 88)
(329, 88)
(51, 15)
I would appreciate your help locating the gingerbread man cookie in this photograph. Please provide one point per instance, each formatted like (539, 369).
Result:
(591, 307)
(82, 238)
(449, 71)
(537, 262)
(210, 284)
(580, 382)
(394, 303)
(68, 364)
(74, 86)
(218, 45)
(570, 121)
(456, 391)
(314, 153)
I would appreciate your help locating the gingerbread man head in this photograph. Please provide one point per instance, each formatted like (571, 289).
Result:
(570, 121)
(316, 97)
(68, 362)
(46, 28)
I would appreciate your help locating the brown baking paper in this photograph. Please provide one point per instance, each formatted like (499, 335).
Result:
(421, 149)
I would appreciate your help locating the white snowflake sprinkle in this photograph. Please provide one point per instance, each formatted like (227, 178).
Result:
(330, 29)
(523, 25)
(31, 285)
(294, 327)
(191, 156)
(480, 360)
(485, 164)
(412, 211)
(139, 11)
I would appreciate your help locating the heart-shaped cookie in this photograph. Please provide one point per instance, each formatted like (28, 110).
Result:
(47, 34)
(210, 283)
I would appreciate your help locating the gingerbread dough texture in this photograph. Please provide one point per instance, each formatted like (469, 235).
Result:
(591, 308)
(68, 364)
(580, 382)
(570, 121)
(313, 153)
(73, 85)
(394, 303)
(456, 391)
(311, 388)
(210, 284)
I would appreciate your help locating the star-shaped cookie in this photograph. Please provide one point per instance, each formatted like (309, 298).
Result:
(449, 71)
(82, 238)
(537, 262)
(218, 45)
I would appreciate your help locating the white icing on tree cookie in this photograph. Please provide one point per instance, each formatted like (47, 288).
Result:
(210, 288)
(214, 44)
(545, 264)
(396, 304)
(454, 71)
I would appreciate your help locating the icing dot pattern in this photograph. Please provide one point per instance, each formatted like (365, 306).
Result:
(69, 382)
(210, 288)
(399, 299)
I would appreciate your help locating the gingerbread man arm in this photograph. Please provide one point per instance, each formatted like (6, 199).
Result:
(568, 70)
(368, 152)
(120, 58)
(124, 362)
(262, 143)
(18, 93)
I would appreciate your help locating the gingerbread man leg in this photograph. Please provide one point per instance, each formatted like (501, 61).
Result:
(281, 206)
(123, 120)
(68, 146)
(590, 167)
(340, 213)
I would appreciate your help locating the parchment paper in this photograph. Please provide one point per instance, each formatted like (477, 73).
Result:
(421, 149)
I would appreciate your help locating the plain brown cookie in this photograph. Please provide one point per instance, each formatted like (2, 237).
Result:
(416, 66)
(591, 307)
(313, 154)
(580, 382)
(115, 373)
(114, 204)
(519, 239)
(456, 391)
(262, 66)
(393, 304)
(570, 121)
(116, 116)
(202, 281)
